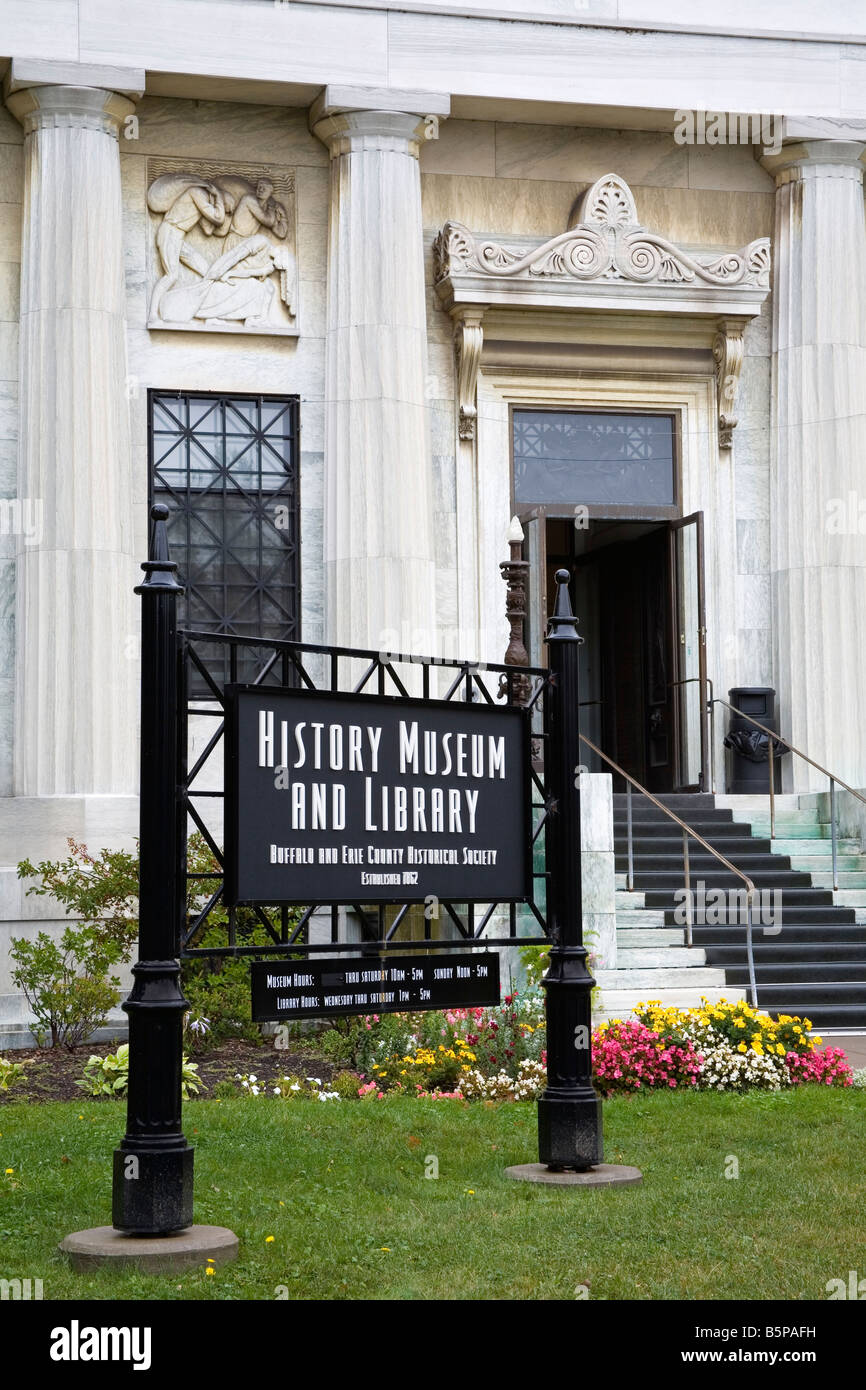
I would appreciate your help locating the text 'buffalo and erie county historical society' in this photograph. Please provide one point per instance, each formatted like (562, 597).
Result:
(336, 798)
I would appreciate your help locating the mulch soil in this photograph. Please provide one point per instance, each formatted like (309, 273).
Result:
(51, 1073)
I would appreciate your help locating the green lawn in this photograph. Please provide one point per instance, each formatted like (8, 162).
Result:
(341, 1188)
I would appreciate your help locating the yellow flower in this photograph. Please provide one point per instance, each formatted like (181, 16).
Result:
(9, 1170)
(268, 1240)
(210, 1271)
(741, 1047)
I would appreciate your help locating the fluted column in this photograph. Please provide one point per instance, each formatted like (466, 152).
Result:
(378, 513)
(817, 536)
(75, 712)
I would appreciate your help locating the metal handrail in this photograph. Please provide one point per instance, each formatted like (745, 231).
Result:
(789, 747)
(687, 830)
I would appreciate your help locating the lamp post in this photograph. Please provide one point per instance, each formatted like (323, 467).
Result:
(153, 1182)
(569, 1111)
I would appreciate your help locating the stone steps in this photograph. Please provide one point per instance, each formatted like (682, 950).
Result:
(819, 956)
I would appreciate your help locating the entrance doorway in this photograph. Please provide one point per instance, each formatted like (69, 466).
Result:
(637, 588)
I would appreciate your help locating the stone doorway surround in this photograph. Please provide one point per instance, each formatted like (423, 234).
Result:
(607, 315)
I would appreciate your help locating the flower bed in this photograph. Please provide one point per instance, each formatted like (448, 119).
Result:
(499, 1054)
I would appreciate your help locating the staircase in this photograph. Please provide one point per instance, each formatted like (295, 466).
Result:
(814, 966)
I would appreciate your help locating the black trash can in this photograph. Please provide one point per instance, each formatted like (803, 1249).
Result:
(749, 747)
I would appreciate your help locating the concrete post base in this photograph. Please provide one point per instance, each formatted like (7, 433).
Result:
(103, 1245)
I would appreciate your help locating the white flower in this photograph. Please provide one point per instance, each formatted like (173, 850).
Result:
(295, 1086)
(276, 1090)
(253, 1078)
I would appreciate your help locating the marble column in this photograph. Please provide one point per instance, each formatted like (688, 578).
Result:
(75, 724)
(378, 510)
(817, 487)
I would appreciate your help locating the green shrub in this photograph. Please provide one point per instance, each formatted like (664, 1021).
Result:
(219, 990)
(68, 983)
(109, 1076)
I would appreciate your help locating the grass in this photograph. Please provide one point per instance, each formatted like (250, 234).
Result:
(341, 1188)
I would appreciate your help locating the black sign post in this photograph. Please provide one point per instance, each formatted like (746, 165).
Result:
(153, 1185)
(569, 1112)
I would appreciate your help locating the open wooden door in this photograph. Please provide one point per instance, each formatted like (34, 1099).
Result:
(691, 751)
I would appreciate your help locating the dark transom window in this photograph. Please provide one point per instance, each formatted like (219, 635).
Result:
(597, 458)
(227, 468)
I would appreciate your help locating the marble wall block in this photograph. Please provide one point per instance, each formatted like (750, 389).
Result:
(582, 155)
(463, 147)
(222, 130)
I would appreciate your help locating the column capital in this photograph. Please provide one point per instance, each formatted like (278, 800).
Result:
(90, 108)
(352, 118)
(818, 157)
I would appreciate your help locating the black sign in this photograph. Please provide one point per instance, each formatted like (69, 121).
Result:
(390, 984)
(350, 799)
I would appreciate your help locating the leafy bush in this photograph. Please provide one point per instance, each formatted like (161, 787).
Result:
(11, 1074)
(219, 990)
(109, 1076)
(68, 983)
(346, 1084)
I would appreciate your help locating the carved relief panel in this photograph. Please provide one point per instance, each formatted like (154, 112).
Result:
(223, 247)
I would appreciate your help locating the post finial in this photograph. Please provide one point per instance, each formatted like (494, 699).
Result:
(563, 623)
(159, 569)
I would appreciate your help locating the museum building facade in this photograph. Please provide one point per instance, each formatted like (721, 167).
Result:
(349, 287)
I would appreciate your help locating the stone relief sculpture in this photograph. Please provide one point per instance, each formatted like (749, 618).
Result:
(223, 250)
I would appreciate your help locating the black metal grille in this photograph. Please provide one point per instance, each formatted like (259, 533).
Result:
(208, 662)
(228, 468)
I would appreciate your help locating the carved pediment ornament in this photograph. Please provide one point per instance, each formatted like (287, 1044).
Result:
(606, 244)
